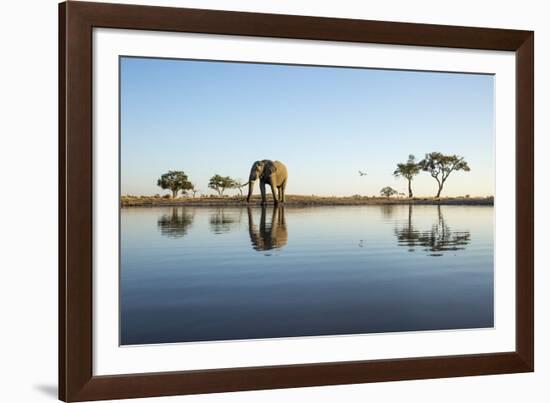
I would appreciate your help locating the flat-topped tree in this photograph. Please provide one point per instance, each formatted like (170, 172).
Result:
(194, 189)
(440, 166)
(408, 170)
(240, 185)
(388, 191)
(220, 183)
(175, 181)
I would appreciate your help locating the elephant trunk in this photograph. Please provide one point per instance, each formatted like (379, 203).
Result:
(250, 190)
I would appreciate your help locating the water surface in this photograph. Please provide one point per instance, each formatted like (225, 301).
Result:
(211, 273)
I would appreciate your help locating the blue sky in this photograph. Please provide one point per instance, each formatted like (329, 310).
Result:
(324, 123)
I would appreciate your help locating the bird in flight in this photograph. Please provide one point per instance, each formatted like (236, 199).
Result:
(362, 173)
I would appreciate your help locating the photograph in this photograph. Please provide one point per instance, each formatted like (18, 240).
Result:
(262, 200)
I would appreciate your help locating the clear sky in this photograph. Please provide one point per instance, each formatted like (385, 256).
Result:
(324, 123)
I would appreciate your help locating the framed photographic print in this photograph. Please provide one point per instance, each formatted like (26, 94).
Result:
(253, 201)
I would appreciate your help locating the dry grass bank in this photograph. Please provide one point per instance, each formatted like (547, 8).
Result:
(298, 200)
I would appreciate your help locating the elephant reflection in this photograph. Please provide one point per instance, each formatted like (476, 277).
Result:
(269, 235)
(438, 239)
(175, 224)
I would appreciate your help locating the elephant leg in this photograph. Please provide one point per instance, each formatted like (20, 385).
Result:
(279, 193)
(262, 190)
(283, 186)
(274, 195)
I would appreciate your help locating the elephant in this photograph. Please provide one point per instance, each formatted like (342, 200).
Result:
(269, 172)
(269, 235)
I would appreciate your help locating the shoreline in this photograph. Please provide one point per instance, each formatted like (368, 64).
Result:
(302, 201)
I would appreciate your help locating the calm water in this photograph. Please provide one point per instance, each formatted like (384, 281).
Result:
(208, 273)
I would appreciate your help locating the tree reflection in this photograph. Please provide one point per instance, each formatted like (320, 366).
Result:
(387, 210)
(222, 221)
(269, 235)
(176, 223)
(440, 238)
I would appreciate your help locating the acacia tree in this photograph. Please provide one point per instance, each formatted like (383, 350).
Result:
(220, 183)
(175, 181)
(240, 185)
(388, 191)
(194, 189)
(408, 170)
(440, 166)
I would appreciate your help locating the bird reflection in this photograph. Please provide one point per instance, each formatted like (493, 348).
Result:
(223, 221)
(175, 224)
(269, 235)
(437, 240)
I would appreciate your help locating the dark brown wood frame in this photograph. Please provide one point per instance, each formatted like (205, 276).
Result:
(76, 22)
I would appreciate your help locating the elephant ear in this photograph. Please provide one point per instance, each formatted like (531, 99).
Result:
(269, 168)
